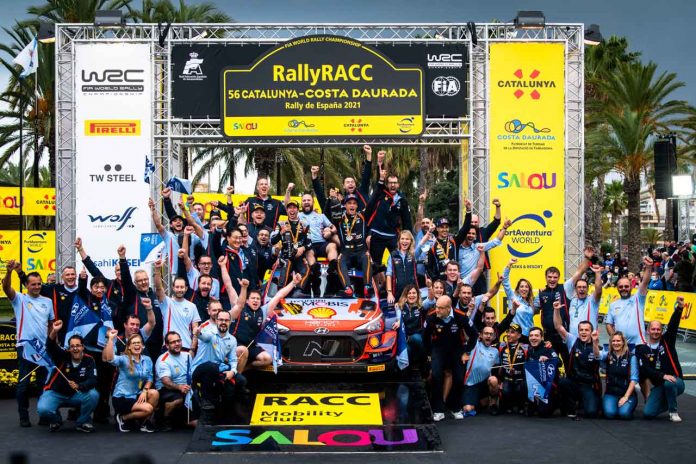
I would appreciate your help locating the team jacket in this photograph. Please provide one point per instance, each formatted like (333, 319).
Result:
(655, 363)
(84, 375)
(291, 241)
(450, 334)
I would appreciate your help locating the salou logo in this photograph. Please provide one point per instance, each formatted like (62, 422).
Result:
(445, 60)
(111, 221)
(534, 181)
(446, 86)
(527, 234)
(192, 69)
(113, 81)
(292, 436)
(531, 82)
(112, 174)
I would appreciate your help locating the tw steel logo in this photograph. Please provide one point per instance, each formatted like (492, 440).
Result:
(531, 82)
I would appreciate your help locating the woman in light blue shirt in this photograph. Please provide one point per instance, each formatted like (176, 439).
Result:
(133, 399)
(522, 298)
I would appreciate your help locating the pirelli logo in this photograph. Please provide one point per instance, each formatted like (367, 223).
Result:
(105, 127)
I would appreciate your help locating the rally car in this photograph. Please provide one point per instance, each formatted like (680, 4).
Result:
(336, 334)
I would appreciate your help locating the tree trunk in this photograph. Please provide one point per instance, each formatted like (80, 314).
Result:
(598, 212)
(668, 234)
(589, 213)
(423, 173)
(631, 188)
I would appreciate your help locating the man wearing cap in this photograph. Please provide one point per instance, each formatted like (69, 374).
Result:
(274, 208)
(352, 232)
(443, 250)
(483, 235)
(293, 235)
(258, 219)
(513, 354)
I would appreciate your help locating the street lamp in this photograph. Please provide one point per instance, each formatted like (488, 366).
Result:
(530, 20)
(592, 35)
(47, 32)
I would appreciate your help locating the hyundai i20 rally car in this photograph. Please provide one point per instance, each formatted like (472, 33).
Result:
(337, 334)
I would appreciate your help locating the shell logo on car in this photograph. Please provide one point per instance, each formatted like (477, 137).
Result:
(321, 312)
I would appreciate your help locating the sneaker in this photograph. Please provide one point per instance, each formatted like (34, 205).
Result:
(207, 405)
(86, 428)
(438, 416)
(54, 427)
(368, 291)
(24, 422)
(674, 417)
(493, 409)
(147, 427)
(572, 415)
(121, 424)
(471, 413)
(458, 415)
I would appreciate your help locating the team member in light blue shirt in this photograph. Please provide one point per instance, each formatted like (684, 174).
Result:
(584, 307)
(522, 299)
(480, 386)
(33, 314)
(215, 365)
(627, 314)
(133, 398)
(173, 382)
(468, 254)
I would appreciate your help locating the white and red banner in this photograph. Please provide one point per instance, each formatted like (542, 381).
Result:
(113, 127)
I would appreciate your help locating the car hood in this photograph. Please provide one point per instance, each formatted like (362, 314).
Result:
(307, 314)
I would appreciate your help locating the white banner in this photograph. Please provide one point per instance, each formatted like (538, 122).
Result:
(113, 127)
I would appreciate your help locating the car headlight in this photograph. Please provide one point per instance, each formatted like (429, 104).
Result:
(282, 329)
(369, 327)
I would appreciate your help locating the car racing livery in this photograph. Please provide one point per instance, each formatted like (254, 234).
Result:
(335, 334)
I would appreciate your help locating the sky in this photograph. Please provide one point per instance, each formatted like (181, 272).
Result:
(663, 31)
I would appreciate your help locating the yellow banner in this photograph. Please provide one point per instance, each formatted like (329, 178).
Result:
(37, 201)
(527, 155)
(659, 306)
(39, 253)
(208, 200)
(317, 409)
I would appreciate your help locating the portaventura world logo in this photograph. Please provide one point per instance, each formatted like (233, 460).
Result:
(532, 82)
(526, 234)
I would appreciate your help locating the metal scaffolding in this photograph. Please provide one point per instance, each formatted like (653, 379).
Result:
(173, 137)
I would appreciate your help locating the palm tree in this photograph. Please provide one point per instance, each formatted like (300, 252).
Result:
(637, 106)
(29, 100)
(615, 204)
(600, 62)
(650, 236)
(73, 11)
(165, 11)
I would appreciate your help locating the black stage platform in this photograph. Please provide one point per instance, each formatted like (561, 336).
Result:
(310, 413)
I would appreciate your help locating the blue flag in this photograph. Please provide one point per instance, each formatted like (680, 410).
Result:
(149, 169)
(151, 247)
(188, 399)
(180, 185)
(35, 351)
(402, 346)
(83, 320)
(540, 377)
(268, 339)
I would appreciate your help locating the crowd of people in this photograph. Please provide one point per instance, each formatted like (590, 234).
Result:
(156, 358)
